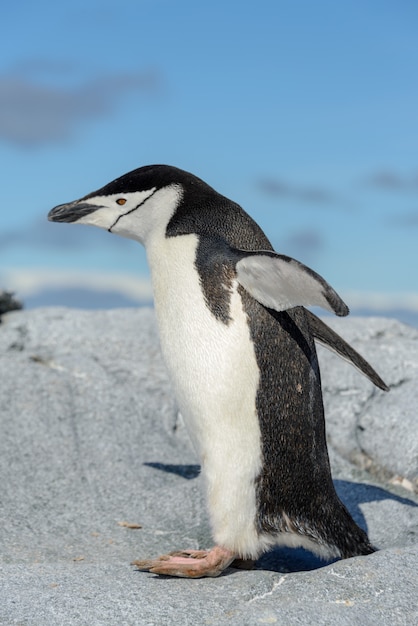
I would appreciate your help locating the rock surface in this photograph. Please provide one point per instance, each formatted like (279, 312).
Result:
(91, 443)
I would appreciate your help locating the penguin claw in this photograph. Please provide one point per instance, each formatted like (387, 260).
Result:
(189, 563)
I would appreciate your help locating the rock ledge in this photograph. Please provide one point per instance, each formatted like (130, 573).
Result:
(91, 444)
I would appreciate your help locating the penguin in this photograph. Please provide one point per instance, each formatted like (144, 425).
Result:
(239, 345)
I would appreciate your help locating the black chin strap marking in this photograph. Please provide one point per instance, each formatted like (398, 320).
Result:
(131, 210)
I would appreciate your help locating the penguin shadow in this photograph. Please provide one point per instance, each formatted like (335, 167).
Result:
(286, 560)
(352, 495)
(184, 471)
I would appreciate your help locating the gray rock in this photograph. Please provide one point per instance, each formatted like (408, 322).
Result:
(91, 438)
(364, 424)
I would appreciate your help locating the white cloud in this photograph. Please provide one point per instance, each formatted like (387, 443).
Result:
(382, 301)
(27, 282)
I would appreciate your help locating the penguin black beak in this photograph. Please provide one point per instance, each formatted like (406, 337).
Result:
(72, 211)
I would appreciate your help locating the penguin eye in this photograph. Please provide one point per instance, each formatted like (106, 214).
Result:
(121, 201)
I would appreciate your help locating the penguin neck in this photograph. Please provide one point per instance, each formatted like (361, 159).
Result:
(172, 264)
(150, 224)
(178, 297)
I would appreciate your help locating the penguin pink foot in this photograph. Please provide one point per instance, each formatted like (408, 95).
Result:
(189, 563)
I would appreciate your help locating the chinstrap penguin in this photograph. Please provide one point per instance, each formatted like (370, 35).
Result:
(239, 346)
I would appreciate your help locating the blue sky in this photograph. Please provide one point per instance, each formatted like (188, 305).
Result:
(303, 112)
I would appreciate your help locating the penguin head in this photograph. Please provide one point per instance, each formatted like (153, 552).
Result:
(158, 201)
(163, 200)
(134, 205)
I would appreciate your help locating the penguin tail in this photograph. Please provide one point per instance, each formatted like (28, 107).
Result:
(348, 538)
(360, 548)
(331, 340)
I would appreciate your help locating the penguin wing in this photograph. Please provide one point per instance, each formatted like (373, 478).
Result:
(331, 340)
(280, 282)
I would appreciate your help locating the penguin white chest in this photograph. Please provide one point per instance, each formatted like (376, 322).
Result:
(212, 364)
(215, 376)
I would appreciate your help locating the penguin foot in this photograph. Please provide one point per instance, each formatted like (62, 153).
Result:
(189, 563)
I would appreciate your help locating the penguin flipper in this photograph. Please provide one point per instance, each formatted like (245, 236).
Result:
(280, 283)
(331, 340)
